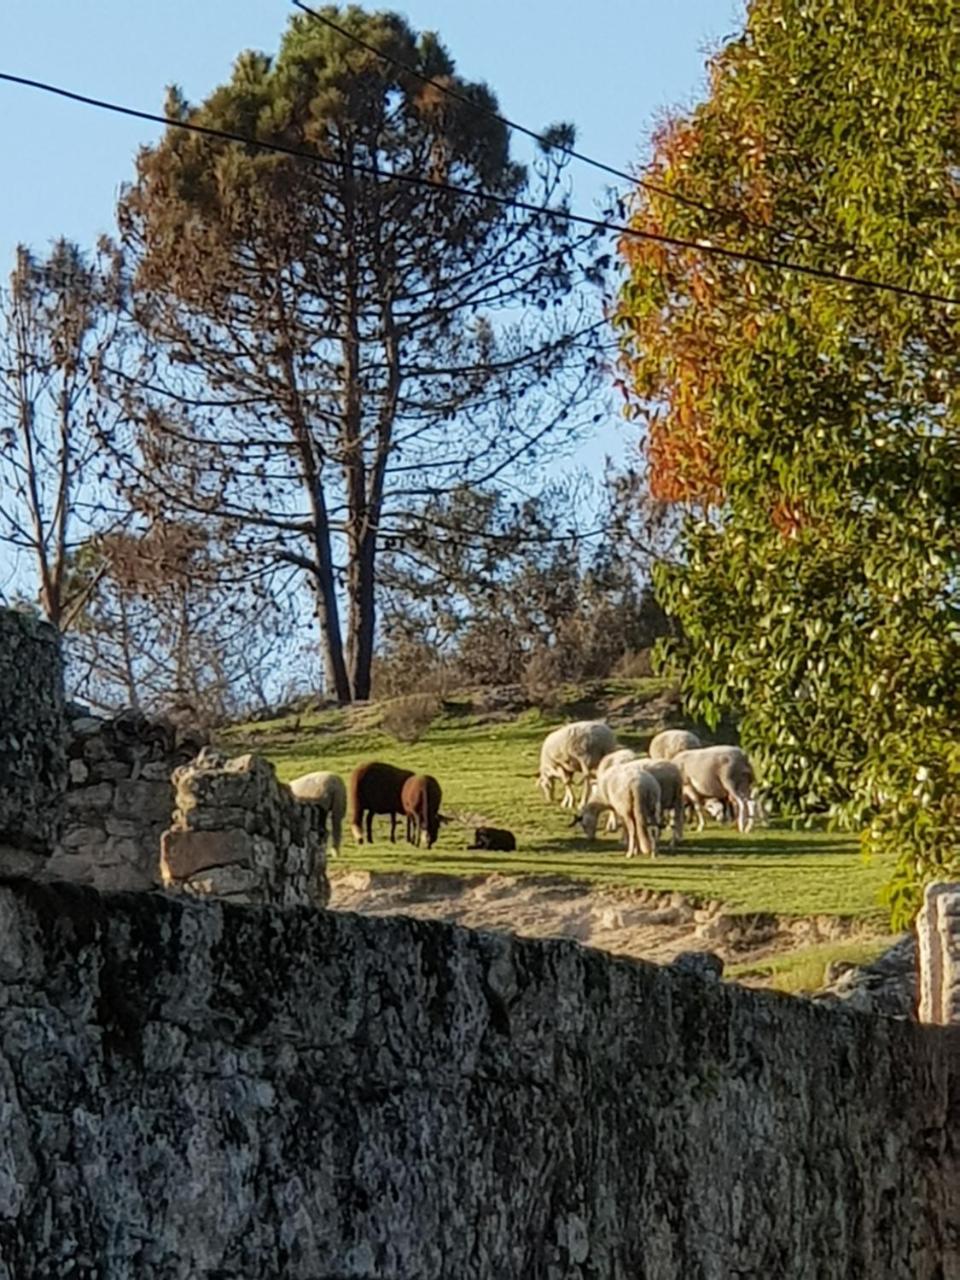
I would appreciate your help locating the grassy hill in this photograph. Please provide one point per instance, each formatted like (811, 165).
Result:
(486, 763)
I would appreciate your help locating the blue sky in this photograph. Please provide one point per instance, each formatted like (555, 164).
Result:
(611, 67)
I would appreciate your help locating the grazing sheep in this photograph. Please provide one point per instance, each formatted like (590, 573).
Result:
(622, 756)
(670, 780)
(669, 743)
(496, 839)
(718, 773)
(634, 795)
(421, 797)
(573, 748)
(376, 788)
(328, 791)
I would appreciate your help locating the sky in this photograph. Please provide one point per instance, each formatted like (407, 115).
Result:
(611, 67)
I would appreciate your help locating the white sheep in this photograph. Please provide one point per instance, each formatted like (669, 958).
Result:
(718, 773)
(329, 792)
(633, 793)
(670, 780)
(573, 748)
(622, 756)
(665, 745)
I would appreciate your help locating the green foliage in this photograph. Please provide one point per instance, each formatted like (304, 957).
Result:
(819, 596)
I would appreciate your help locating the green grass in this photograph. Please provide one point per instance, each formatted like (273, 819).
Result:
(804, 969)
(488, 772)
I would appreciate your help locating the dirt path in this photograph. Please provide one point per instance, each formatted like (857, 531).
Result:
(640, 923)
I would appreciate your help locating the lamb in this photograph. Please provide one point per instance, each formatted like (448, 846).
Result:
(328, 791)
(633, 793)
(718, 773)
(573, 748)
(496, 839)
(665, 745)
(375, 788)
(420, 797)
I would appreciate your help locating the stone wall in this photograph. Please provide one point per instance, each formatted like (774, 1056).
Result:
(238, 833)
(120, 796)
(32, 762)
(200, 1090)
(938, 943)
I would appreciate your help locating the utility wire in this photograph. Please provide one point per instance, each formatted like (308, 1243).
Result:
(548, 143)
(507, 202)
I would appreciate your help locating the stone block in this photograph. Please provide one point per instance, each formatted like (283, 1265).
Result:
(97, 798)
(83, 837)
(110, 769)
(79, 772)
(938, 954)
(184, 853)
(157, 771)
(121, 826)
(128, 849)
(85, 726)
(224, 882)
(143, 800)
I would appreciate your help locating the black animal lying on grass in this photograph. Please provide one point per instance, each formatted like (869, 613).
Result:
(494, 839)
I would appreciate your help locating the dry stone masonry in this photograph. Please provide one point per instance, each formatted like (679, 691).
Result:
(199, 1091)
(120, 796)
(32, 758)
(238, 833)
(938, 941)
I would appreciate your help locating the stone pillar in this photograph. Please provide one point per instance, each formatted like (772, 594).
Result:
(33, 766)
(938, 955)
(238, 833)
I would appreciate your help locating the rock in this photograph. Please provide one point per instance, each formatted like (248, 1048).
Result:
(184, 853)
(79, 772)
(98, 798)
(156, 771)
(85, 726)
(83, 837)
(146, 801)
(702, 964)
(888, 985)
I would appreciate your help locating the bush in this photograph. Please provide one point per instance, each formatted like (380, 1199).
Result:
(408, 667)
(408, 719)
(634, 666)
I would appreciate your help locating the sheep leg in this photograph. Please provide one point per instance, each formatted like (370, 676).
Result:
(587, 784)
(611, 821)
(569, 800)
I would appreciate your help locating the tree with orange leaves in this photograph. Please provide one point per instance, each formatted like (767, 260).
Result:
(811, 428)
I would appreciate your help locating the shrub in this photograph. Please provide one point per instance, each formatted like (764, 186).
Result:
(408, 719)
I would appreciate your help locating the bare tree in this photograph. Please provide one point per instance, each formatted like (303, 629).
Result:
(169, 626)
(57, 320)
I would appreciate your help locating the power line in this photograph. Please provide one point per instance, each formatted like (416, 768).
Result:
(508, 202)
(550, 144)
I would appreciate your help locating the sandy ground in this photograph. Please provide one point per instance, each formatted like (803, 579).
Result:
(640, 923)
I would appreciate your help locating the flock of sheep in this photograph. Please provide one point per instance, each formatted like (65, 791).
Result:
(637, 792)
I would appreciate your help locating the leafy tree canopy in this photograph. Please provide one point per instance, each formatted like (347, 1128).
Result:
(810, 429)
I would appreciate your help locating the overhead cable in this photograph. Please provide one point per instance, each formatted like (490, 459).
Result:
(701, 246)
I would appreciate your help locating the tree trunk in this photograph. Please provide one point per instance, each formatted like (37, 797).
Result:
(328, 616)
(363, 617)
